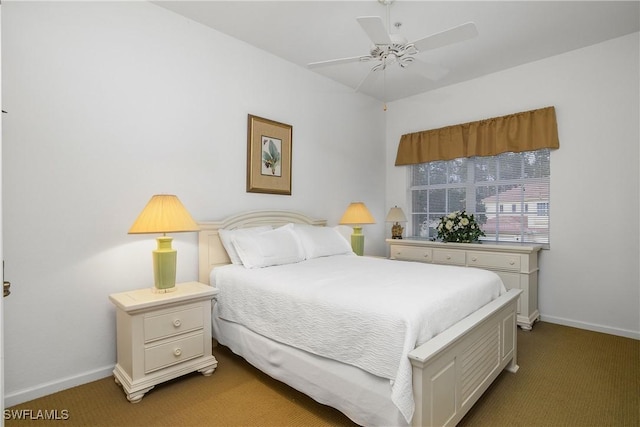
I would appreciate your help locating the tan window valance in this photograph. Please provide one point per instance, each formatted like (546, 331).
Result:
(526, 131)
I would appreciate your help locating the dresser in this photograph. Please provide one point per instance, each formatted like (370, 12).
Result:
(516, 264)
(161, 336)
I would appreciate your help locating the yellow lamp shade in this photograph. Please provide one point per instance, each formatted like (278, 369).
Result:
(357, 213)
(163, 214)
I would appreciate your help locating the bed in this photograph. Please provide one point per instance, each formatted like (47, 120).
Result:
(371, 381)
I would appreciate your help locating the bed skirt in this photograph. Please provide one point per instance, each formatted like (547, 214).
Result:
(361, 396)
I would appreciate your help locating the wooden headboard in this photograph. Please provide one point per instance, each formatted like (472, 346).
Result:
(211, 253)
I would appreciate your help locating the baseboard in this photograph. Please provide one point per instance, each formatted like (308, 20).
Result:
(591, 327)
(21, 396)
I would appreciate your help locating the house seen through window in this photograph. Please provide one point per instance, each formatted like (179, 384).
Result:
(507, 193)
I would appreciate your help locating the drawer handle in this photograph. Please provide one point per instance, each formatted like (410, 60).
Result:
(426, 255)
(177, 352)
(177, 323)
(474, 259)
(512, 262)
(448, 256)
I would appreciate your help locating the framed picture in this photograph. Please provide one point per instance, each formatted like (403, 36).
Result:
(268, 156)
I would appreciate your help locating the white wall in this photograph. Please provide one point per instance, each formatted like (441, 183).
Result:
(589, 278)
(112, 102)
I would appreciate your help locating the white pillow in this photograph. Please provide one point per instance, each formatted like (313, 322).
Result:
(273, 247)
(321, 241)
(226, 237)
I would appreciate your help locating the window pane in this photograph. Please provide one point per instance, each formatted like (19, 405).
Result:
(457, 171)
(509, 166)
(425, 225)
(419, 175)
(457, 199)
(486, 169)
(437, 173)
(434, 220)
(437, 201)
(419, 201)
(509, 195)
(536, 164)
(486, 203)
(419, 223)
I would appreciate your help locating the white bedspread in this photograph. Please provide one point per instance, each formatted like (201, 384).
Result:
(362, 311)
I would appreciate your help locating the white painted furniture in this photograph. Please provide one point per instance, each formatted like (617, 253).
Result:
(449, 372)
(516, 264)
(162, 336)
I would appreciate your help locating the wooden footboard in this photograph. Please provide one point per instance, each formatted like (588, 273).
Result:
(452, 370)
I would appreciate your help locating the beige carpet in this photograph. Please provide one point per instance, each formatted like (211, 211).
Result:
(567, 377)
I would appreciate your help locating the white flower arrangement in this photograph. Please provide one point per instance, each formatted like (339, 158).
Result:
(459, 226)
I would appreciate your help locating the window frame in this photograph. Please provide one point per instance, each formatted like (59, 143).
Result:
(471, 186)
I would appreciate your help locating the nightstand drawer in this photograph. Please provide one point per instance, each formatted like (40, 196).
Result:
(494, 261)
(443, 256)
(410, 253)
(163, 355)
(167, 323)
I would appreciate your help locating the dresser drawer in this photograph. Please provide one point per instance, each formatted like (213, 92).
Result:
(411, 253)
(493, 261)
(172, 322)
(160, 356)
(443, 256)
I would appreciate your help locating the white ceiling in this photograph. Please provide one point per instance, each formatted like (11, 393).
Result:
(510, 33)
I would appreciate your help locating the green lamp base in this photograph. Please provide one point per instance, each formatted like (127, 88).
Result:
(357, 241)
(164, 265)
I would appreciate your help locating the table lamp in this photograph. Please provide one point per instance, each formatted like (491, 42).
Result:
(356, 215)
(396, 216)
(164, 214)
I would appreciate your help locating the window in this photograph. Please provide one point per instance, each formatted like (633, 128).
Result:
(483, 186)
(543, 209)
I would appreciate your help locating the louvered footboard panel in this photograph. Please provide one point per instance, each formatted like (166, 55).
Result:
(450, 374)
(479, 361)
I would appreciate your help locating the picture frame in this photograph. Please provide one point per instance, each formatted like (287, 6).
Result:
(269, 146)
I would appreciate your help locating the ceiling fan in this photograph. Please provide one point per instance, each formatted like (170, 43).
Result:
(388, 48)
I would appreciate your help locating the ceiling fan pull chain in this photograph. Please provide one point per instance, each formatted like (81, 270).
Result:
(384, 89)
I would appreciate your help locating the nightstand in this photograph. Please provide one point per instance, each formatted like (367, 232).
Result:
(161, 336)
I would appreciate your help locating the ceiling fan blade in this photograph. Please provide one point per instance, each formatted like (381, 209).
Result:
(452, 35)
(374, 27)
(339, 61)
(430, 71)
